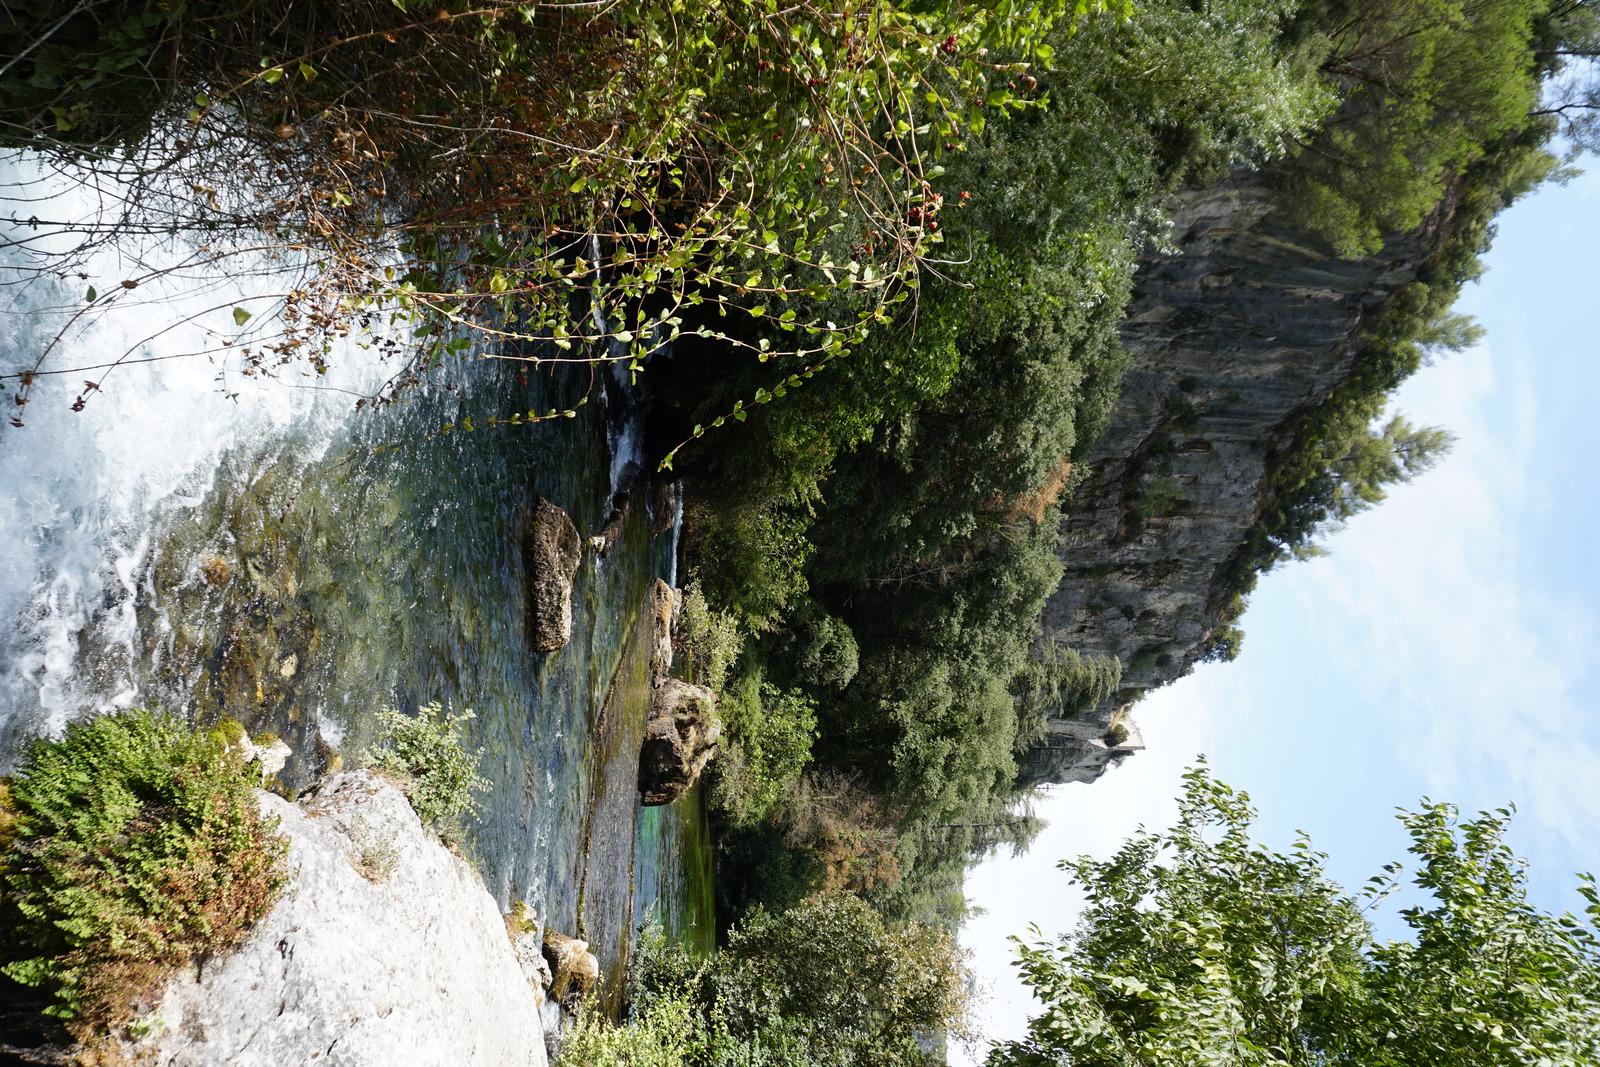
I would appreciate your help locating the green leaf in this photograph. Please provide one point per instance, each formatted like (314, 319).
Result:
(90, 295)
(272, 75)
(241, 316)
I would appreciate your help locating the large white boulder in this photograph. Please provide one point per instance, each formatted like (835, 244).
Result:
(384, 951)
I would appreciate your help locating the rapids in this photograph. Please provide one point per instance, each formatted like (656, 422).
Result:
(257, 547)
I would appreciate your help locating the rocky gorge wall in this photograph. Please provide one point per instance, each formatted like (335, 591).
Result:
(1245, 322)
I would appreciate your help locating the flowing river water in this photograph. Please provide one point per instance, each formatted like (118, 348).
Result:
(257, 547)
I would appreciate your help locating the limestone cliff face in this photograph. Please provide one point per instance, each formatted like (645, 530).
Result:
(1245, 324)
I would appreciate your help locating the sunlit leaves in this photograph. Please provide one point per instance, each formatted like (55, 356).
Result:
(1201, 946)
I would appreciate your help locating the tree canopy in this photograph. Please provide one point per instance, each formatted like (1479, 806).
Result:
(1201, 946)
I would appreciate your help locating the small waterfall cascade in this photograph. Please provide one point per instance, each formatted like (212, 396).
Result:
(257, 546)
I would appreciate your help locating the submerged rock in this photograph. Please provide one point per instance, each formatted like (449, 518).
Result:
(666, 499)
(385, 950)
(679, 740)
(551, 551)
(617, 514)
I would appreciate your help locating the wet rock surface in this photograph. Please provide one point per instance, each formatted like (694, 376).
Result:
(663, 606)
(385, 950)
(551, 552)
(679, 740)
(573, 968)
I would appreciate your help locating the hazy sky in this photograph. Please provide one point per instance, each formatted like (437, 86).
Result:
(1443, 648)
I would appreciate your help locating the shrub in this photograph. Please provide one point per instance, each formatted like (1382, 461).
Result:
(707, 641)
(849, 828)
(853, 988)
(132, 844)
(820, 650)
(824, 983)
(752, 560)
(669, 1032)
(428, 753)
(769, 733)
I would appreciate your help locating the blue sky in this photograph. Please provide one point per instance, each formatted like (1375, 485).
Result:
(1445, 647)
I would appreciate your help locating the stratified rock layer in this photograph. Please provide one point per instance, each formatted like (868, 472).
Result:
(384, 951)
(1247, 324)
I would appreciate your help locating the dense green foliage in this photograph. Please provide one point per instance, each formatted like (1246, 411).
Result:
(903, 503)
(891, 245)
(1429, 89)
(130, 845)
(827, 983)
(427, 753)
(1058, 683)
(510, 172)
(1200, 946)
(768, 744)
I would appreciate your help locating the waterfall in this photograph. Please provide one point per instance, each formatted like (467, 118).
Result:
(78, 489)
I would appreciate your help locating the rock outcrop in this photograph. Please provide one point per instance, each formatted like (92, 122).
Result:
(617, 514)
(573, 968)
(663, 603)
(551, 552)
(666, 505)
(1081, 748)
(679, 740)
(384, 951)
(1247, 324)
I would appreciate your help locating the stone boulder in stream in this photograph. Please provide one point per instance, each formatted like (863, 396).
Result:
(551, 551)
(664, 604)
(679, 740)
(573, 968)
(384, 950)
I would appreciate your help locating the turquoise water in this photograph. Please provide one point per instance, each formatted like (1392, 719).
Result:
(300, 565)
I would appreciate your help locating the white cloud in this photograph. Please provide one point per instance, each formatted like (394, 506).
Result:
(1441, 617)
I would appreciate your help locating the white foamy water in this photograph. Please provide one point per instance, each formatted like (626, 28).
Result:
(78, 489)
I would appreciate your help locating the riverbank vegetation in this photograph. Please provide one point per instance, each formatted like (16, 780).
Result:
(825, 982)
(904, 506)
(127, 848)
(467, 175)
(889, 246)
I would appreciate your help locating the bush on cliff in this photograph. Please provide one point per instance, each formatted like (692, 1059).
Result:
(1429, 87)
(130, 845)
